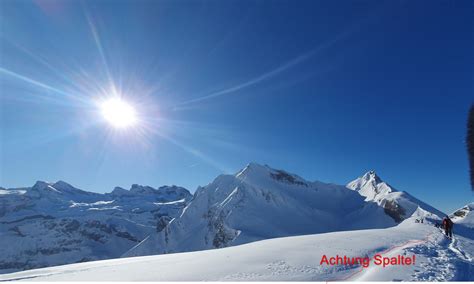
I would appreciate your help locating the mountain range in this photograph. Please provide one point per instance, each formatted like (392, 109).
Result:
(55, 223)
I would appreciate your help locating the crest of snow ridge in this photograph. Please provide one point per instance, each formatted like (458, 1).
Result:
(256, 172)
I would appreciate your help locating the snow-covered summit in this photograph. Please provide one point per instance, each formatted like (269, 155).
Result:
(66, 187)
(398, 204)
(464, 215)
(371, 186)
(59, 190)
(174, 192)
(372, 175)
(141, 189)
(40, 185)
(162, 194)
(256, 173)
(118, 191)
(260, 202)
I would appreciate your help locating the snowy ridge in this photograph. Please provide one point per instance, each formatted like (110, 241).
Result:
(397, 204)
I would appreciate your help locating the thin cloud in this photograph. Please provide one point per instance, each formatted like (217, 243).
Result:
(268, 75)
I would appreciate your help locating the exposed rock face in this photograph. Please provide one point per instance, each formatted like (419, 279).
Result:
(394, 210)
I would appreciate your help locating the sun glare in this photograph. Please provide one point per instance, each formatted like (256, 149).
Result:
(118, 113)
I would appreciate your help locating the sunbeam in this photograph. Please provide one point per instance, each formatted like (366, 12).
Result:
(43, 85)
(98, 43)
(39, 59)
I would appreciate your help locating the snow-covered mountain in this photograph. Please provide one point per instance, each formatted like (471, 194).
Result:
(261, 203)
(464, 216)
(56, 223)
(397, 204)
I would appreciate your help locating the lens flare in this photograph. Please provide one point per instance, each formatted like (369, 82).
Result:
(119, 113)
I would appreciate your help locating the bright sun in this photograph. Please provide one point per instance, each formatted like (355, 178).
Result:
(118, 113)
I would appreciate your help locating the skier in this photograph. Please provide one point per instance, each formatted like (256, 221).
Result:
(448, 227)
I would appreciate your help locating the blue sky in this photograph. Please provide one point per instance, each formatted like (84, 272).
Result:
(324, 89)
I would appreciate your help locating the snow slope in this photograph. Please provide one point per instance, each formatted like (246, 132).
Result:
(289, 258)
(397, 204)
(56, 223)
(260, 203)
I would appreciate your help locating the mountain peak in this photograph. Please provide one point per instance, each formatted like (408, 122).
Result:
(253, 168)
(62, 185)
(371, 175)
(144, 189)
(40, 185)
(59, 187)
(371, 186)
(119, 191)
(163, 193)
(42, 188)
(256, 173)
(464, 215)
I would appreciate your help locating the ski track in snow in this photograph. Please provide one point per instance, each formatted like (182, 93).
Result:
(444, 261)
(437, 267)
(453, 246)
(275, 270)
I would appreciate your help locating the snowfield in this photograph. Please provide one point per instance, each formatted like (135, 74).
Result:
(289, 258)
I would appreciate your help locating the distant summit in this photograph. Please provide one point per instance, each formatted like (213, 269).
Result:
(464, 215)
(371, 186)
(398, 205)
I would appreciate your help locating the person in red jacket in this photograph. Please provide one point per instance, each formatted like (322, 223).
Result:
(448, 227)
